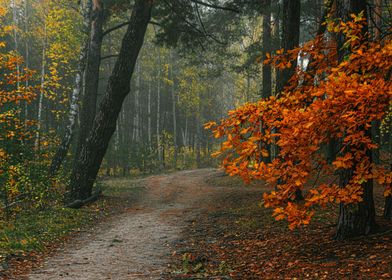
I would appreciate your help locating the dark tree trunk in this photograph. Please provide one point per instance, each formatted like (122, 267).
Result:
(388, 205)
(290, 37)
(91, 78)
(267, 49)
(89, 161)
(388, 208)
(358, 219)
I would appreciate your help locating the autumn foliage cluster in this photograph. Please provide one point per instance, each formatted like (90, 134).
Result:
(330, 102)
(21, 164)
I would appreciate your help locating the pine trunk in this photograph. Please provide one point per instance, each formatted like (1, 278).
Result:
(89, 161)
(91, 78)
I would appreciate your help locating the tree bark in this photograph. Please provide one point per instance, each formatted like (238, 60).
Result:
(73, 108)
(266, 49)
(27, 53)
(388, 204)
(158, 128)
(173, 96)
(91, 78)
(388, 208)
(358, 219)
(149, 131)
(89, 161)
(41, 94)
(377, 19)
(15, 37)
(290, 37)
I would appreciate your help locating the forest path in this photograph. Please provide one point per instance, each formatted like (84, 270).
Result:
(136, 244)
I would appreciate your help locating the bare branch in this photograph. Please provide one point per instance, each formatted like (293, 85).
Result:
(122, 25)
(215, 6)
(109, 56)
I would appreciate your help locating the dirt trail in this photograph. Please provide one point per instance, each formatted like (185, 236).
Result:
(135, 244)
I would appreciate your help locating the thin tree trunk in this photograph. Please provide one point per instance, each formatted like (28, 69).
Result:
(149, 115)
(158, 129)
(16, 42)
(173, 96)
(89, 161)
(41, 94)
(27, 54)
(136, 121)
(73, 108)
(266, 49)
(377, 18)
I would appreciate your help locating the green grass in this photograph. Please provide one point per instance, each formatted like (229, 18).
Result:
(31, 231)
(121, 186)
(35, 230)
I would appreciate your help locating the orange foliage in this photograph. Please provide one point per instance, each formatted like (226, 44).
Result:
(328, 101)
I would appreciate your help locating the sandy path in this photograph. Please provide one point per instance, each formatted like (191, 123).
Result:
(136, 244)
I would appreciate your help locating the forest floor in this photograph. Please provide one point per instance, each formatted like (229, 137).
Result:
(201, 224)
(139, 242)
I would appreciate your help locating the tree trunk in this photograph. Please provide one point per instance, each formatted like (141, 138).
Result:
(377, 13)
(91, 78)
(388, 204)
(149, 132)
(388, 208)
(15, 37)
(137, 106)
(87, 165)
(377, 19)
(290, 37)
(158, 129)
(173, 96)
(359, 219)
(41, 94)
(27, 53)
(266, 49)
(73, 108)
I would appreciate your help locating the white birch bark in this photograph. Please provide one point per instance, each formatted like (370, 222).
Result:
(42, 92)
(149, 114)
(74, 108)
(158, 129)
